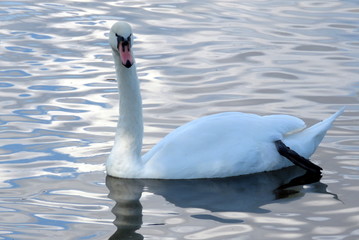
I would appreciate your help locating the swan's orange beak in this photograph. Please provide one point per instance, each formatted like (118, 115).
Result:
(124, 48)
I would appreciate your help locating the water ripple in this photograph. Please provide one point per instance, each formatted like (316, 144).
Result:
(59, 111)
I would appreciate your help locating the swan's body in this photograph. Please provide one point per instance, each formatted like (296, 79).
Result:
(220, 145)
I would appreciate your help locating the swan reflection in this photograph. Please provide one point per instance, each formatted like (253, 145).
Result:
(237, 194)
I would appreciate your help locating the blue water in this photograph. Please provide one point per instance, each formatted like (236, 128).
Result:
(58, 113)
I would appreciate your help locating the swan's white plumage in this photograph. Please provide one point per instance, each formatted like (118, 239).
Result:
(219, 145)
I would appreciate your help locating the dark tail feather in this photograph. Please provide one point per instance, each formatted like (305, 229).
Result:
(296, 158)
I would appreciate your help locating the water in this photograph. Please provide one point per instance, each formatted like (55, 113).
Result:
(59, 110)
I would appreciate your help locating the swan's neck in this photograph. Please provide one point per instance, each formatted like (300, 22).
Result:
(125, 156)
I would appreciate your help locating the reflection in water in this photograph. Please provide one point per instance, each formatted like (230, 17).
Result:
(128, 209)
(237, 194)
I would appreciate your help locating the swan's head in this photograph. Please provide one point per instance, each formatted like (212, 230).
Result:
(121, 40)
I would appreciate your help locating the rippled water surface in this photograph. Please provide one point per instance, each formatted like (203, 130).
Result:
(58, 112)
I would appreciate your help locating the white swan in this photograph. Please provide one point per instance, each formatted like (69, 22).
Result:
(219, 145)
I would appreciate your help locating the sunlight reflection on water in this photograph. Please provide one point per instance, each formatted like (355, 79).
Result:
(59, 112)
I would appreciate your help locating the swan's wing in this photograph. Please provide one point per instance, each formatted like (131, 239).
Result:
(225, 144)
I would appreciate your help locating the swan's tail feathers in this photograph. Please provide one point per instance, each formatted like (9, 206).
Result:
(307, 141)
(295, 158)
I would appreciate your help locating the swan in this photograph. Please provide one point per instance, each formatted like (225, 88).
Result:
(215, 146)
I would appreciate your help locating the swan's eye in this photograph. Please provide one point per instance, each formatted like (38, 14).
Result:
(120, 38)
(129, 38)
